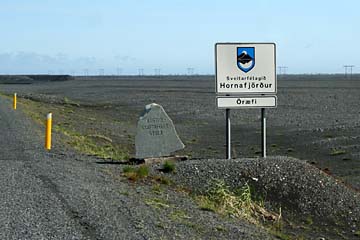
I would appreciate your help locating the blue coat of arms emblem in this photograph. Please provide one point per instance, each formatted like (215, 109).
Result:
(246, 58)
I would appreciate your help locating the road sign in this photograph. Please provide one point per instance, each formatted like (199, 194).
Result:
(233, 102)
(245, 68)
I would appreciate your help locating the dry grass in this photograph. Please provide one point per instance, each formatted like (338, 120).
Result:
(336, 152)
(65, 123)
(240, 204)
(136, 173)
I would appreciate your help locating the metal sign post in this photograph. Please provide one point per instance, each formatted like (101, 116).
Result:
(228, 134)
(245, 78)
(263, 132)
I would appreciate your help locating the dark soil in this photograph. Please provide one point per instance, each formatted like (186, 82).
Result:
(317, 118)
(312, 203)
(316, 121)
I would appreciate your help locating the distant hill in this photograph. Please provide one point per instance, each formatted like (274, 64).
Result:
(29, 79)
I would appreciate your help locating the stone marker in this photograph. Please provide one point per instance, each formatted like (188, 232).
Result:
(156, 135)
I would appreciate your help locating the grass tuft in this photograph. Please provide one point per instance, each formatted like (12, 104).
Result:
(128, 169)
(162, 180)
(135, 174)
(206, 204)
(168, 167)
(336, 152)
(309, 220)
(143, 171)
(240, 204)
(157, 189)
(70, 102)
(179, 215)
(157, 203)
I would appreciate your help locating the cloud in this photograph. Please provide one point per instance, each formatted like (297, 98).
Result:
(31, 62)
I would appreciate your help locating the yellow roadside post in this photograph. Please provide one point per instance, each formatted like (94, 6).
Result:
(14, 101)
(48, 131)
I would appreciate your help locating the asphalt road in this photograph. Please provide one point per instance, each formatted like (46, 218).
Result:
(45, 195)
(30, 207)
(64, 195)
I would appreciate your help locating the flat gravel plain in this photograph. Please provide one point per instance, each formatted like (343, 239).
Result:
(317, 122)
(64, 195)
(317, 118)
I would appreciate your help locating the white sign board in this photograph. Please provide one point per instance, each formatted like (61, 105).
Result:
(245, 68)
(247, 102)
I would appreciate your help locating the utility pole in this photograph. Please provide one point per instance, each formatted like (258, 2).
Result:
(101, 72)
(86, 72)
(119, 71)
(157, 71)
(285, 70)
(190, 71)
(347, 67)
(141, 71)
(282, 70)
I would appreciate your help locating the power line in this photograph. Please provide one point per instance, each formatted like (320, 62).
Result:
(282, 70)
(347, 67)
(118, 71)
(157, 71)
(190, 71)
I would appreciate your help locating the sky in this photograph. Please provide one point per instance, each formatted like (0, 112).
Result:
(69, 36)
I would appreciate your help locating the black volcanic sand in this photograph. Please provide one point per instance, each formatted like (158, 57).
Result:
(317, 121)
(313, 203)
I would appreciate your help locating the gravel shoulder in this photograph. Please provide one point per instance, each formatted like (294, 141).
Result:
(65, 195)
(313, 203)
(317, 194)
(319, 113)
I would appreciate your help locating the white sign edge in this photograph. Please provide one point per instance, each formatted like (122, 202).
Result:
(237, 93)
(246, 96)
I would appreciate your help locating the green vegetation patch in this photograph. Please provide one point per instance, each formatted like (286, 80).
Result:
(179, 215)
(157, 203)
(309, 220)
(336, 152)
(70, 102)
(64, 122)
(136, 173)
(88, 145)
(162, 180)
(168, 167)
(240, 204)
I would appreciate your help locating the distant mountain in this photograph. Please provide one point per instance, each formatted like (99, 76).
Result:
(28, 79)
